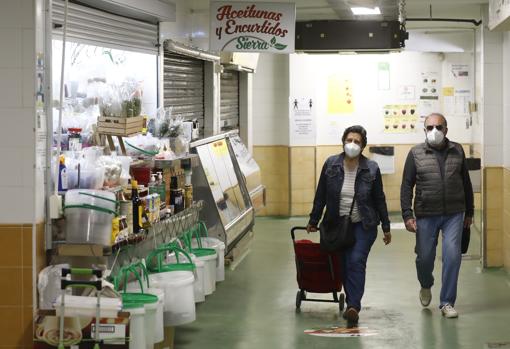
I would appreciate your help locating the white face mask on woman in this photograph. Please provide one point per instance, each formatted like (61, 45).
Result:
(352, 150)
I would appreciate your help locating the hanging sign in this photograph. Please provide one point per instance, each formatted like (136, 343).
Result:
(252, 26)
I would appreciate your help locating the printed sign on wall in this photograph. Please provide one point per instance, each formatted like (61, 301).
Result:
(252, 27)
(400, 118)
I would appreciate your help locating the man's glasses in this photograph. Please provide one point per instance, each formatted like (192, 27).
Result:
(431, 127)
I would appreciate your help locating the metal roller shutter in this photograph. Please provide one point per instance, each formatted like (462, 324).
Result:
(183, 86)
(95, 27)
(229, 114)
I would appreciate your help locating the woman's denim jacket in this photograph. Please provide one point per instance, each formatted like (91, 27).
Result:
(369, 193)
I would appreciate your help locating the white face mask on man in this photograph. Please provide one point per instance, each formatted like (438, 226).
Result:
(435, 137)
(352, 150)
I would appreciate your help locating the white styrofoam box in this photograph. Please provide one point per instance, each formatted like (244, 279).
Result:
(28, 48)
(10, 88)
(10, 41)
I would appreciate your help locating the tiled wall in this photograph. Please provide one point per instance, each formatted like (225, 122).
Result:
(506, 218)
(16, 285)
(18, 264)
(274, 168)
(271, 100)
(304, 166)
(493, 216)
(302, 180)
(17, 110)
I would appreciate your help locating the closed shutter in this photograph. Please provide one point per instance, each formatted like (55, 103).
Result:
(183, 81)
(99, 28)
(229, 114)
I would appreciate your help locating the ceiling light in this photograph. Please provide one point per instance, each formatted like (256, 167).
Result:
(365, 11)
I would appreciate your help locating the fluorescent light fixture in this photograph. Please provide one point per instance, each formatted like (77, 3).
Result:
(365, 11)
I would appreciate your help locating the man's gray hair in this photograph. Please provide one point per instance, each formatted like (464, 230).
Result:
(437, 114)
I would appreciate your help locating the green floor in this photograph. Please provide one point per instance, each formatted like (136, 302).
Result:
(254, 307)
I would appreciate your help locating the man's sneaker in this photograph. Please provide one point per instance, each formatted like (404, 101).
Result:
(425, 296)
(351, 315)
(449, 311)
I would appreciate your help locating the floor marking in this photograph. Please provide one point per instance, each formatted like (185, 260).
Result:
(342, 332)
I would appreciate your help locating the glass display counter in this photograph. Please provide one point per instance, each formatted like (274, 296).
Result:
(219, 182)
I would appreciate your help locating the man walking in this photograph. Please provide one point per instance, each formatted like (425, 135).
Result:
(443, 202)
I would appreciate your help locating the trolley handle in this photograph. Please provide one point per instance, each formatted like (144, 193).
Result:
(293, 230)
(98, 285)
(82, 271)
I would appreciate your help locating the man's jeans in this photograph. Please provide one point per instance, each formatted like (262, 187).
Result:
(426, 243)
(355, 263)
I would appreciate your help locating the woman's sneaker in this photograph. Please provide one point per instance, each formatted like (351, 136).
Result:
(425, 296)
(449, 311)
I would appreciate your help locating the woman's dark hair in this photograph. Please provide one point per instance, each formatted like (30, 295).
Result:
(359, 130)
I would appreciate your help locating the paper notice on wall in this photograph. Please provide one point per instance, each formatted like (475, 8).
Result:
(383, 76)
(407, 92)
(427, 107)
(401, 118)
(429, 86)
(302, 121)
(340, 95)
(460, 71)
(448, 91)
(458, 103)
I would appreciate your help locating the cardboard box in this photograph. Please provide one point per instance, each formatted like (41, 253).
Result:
(80, 332)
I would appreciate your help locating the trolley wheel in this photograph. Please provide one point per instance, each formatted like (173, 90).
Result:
(303, 295)
(298, 299)
(341, 302)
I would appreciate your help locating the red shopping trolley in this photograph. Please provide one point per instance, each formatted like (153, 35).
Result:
(317, 272)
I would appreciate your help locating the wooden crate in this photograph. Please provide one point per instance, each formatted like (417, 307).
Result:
(117, 126)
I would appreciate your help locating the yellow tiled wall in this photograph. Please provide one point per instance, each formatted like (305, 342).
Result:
(303, 166)
(16, 286)
(274, 168)
(302, 180)
(506, 218)
(493, 184)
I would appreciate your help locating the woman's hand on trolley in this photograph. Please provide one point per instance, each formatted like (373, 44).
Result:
(387, 237)
(311, 228)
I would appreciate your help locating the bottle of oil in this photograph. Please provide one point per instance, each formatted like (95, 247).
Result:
(137, 208)
(176, 195)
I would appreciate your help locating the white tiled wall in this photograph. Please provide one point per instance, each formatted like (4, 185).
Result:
(271, 100)
(17, 112)
(493, 98)
(506, 99)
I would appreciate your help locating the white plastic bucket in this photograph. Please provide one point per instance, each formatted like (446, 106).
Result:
(159, 334)
(219, 246)
(209, 273)
(137, 328)
(150, 324)
(179, 296)
(198, 285)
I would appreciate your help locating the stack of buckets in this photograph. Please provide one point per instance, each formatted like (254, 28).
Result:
(176, 278)
(146, 325)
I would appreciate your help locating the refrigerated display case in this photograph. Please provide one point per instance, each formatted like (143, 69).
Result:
(219, 182)
(250, 170)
